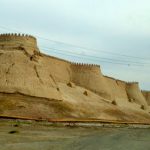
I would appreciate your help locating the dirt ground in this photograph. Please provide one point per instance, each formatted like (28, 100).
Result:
(15, 136)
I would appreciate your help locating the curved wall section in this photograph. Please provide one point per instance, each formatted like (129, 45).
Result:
(134, 93)
(90, 77)
(147, 96)
(18, 41)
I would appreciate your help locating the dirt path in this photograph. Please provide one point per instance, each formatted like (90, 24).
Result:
(37, 137)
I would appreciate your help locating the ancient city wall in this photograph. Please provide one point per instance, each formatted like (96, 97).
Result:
(90, 77)
(20, 74)
(18, 41)
(134, 93)
(57, 68)
(39, 76)
(117, 88)
(147, 96)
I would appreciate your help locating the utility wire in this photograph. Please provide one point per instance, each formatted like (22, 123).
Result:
(116, 60)
(95, 58)
(81, 47)
(81, 57)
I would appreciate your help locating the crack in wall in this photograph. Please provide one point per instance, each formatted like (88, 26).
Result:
(57, 87)
(53, 79)
(70, 75)
(8, 71)
(37, 74)
(9, 68)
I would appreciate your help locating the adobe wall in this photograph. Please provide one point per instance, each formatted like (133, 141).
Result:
(134, 93)
(117, 88)
(90, 77)
(147, 96)
(20, 74)
(18, 41)
(39, 76)
(57, 68)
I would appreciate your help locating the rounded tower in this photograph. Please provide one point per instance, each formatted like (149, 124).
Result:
(134, 92)
(19, 42)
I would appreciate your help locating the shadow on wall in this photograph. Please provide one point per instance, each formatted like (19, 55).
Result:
(146, 94)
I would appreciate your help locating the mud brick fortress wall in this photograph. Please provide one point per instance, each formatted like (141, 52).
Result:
(37, 74)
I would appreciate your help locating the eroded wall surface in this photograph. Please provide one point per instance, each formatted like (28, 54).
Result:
(23, 69)
(134, 93)
(147, 96)
(90, 77)
(117, 89)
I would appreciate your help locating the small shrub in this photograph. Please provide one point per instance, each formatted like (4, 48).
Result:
(13, 131)
(130, 100)
(85, 93)
(16, 125)
(143, 107)
(114, 102)
(69, 84)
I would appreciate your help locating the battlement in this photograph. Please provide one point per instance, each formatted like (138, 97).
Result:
(133, 85)
(16, 35)
(14, 40)
(85, 65)
(81, 67)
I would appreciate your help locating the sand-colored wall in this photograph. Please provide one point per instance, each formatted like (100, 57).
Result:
(18, 73)
(57, 68)
(134, 93)
(33, 84)
(147, 96)
(38, 74)
(18, 41)
(117, 88)
(90, 77)
(39, 78)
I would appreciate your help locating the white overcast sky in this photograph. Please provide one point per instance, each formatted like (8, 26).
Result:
(112, 26)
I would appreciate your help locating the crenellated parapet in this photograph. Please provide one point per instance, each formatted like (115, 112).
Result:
(18, 41)
(81, 67)
(132, 83)
(83, 64)
(16, 35)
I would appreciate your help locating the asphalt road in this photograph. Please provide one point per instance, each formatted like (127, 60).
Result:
(61, 138)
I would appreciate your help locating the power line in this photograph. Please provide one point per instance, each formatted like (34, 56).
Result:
(81, 47)
(95, 58)
(90, 58)
(116, 60)
(94, 50)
